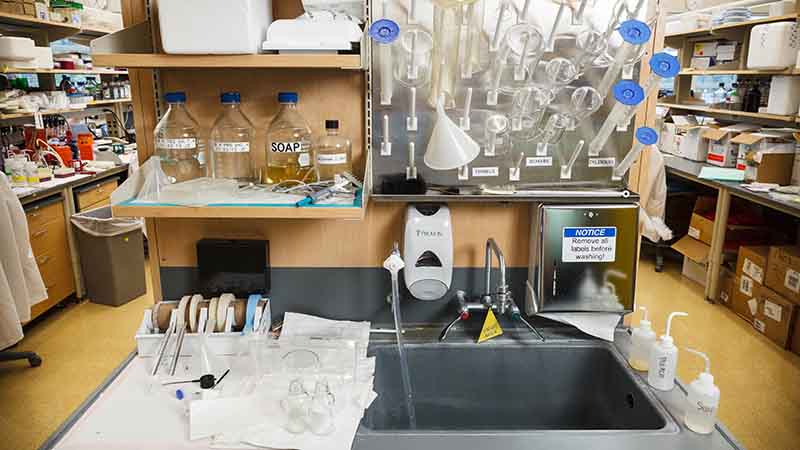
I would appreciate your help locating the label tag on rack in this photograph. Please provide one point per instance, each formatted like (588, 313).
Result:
(541, 161)
(602, 162)
(485, 171)
(491, 328)
(589, 244)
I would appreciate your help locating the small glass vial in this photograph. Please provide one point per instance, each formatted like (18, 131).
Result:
(231, 140)
(334, 152)
(178, 143)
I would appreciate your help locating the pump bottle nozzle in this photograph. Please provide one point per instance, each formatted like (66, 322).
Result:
(669, 323)
(704, 356)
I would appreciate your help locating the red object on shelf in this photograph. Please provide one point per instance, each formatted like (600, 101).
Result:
(65, 152)
(86, 146)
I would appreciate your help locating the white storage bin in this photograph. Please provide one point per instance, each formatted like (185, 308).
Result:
(13, 48)
(772, 46)
(212, 26)
(784, 95)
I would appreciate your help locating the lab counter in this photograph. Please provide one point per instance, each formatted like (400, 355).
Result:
(46, 189)
(130, 412)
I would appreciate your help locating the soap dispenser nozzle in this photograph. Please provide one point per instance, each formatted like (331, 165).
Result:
(667, 334)
(705, 357)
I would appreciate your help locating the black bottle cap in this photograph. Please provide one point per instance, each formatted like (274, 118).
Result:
(331, 124)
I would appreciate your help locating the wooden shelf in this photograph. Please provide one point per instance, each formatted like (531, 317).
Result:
(732, 26)
(156, 61)
(66, 71)
(46, 112)
(696, 72)
(714, 111)
(109, 102)
(55, 30)
(239, 212)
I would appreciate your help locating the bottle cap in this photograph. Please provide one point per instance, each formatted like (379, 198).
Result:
(384, 31)
(634, 31)
(646, 135)
(331, 124)
(665, 65)
(230, 97)
(175, 97)
(288, 97)
(628, 92)
(644, 323)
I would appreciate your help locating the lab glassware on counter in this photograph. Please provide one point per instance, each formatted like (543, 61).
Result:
(289, 145)
(178, 142)
(702, 400)
(334, 153)
(232, 138)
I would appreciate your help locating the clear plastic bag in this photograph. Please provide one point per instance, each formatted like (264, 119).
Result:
(99, 222)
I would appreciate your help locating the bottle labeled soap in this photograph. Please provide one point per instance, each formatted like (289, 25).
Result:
(664, 359)
(642, 340)
(703, 400)
(289, 145)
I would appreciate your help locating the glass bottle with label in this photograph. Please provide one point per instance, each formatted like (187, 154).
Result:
(177, 141)
(334, 152)
(289, 145)
(231, 139)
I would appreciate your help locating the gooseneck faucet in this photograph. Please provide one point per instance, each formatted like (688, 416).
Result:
(498, 300)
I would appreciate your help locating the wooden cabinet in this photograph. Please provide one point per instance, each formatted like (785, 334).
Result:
(47, 228)
(95, 195)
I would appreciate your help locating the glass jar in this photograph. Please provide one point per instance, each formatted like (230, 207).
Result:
(178, 143)
(289, 145)
(231, 140)
(334, 152)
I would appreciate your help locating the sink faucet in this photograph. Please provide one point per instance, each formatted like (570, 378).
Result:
(499, 301)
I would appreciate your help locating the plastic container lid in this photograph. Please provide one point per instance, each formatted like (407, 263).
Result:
(628, 92)
(665, 65)
(230, 97)
(646, 135)
(288, 97)
(635, 31)
(384, 31)
(175, 97)
(331, 124)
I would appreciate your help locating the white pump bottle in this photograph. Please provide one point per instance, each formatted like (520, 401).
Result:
(642, 340)
(702, 400)
(664, 359)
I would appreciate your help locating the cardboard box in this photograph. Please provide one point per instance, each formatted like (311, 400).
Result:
(695, 258)
(783, 271)
(12, 8)
(701, 226)
(694, 271)
(766, 157)
(693, 145)
(667, 142)
(726, 286)
(775, 317)
(744, 301)
(752, 262)
(794, 345)
(721, 151)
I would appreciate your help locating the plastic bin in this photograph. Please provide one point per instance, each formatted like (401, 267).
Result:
(112, 256)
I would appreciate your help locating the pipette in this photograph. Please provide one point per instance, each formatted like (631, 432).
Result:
(411, 120)
(645, 136)
(634, 33)
(629, 95)
(566, 169)
(384, 32)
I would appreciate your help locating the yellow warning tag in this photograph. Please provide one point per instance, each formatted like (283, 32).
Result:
(491, 329)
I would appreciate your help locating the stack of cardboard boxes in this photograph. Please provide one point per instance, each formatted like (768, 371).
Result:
(766, 292)
(19, 7)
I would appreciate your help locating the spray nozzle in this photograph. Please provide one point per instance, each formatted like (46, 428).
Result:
(644, 319)
(705, 376)
(704, 356)
(669, 320)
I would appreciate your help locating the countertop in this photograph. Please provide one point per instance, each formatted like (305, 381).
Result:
(104, 421)
(47, 188)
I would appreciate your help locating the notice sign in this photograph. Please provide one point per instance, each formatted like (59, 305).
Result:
(589, 244)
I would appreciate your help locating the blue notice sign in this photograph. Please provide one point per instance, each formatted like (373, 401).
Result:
(589, 244)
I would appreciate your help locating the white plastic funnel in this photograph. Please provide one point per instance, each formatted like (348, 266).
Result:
(449, 147)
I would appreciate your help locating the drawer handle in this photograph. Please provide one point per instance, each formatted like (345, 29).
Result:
(39, 233)
(43, 259)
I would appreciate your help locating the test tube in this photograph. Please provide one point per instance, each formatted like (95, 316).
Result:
(384, 32)
(464, 121)
(566, 170)
(628, 95)
(634, 33)
(386, 144)
(411, 120)
(411, 169)
(645, 136)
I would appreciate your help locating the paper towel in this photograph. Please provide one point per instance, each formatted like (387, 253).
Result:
(600, 325)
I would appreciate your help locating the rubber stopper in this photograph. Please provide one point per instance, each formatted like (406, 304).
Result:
(665, 65)
(646, 135)
(628, 92)
(384, 31)
(634, 32)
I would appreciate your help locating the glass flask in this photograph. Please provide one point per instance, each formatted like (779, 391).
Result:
(178, 143)
(231, 139)
(289, 145)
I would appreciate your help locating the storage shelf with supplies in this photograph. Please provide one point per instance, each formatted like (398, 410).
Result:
(731, 26)
(729, 112)
(755, 72)
(66, 71)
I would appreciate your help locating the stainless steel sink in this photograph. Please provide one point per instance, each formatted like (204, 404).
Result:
(512, 387)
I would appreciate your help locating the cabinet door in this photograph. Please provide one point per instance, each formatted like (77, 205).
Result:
(96, 194)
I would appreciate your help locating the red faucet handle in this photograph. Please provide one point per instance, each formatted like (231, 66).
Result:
(464, 315)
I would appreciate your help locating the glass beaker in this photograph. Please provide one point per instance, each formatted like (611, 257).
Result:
(412, 57)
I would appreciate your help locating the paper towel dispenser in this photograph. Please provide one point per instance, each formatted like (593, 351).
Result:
(583, 258)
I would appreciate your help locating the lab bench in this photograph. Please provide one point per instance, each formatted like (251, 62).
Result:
(126, 404)
(48, 208)
(690, 170)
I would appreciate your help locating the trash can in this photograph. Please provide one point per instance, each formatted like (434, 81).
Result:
(112, 256)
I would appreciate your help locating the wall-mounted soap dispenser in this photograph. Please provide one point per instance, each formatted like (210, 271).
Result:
(428, 251)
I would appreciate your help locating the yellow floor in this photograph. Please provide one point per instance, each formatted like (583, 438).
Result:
(81, 344)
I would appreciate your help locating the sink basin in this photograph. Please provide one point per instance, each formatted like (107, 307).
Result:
(469, 387)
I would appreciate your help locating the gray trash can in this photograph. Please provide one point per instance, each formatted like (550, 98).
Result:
(112, 256)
